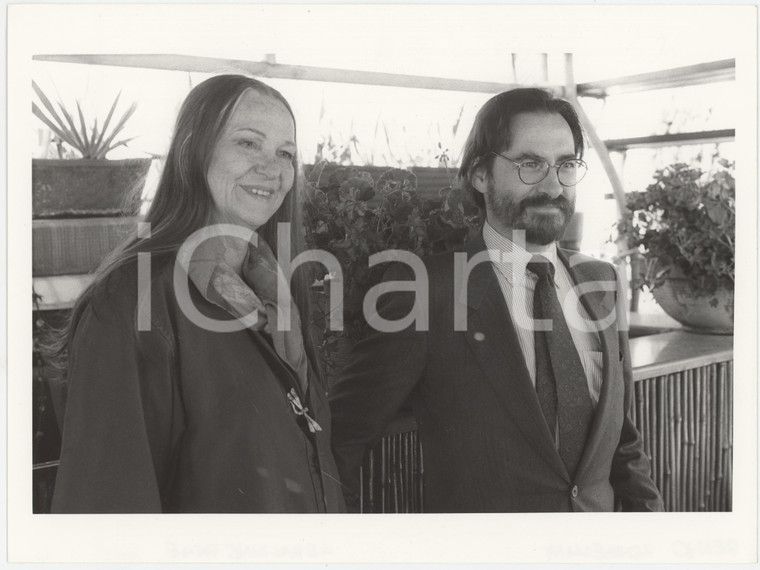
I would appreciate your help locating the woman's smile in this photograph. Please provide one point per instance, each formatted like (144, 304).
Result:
(257, 190)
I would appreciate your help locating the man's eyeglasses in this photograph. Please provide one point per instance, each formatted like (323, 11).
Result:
(534, 170)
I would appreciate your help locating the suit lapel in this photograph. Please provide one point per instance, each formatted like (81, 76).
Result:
(492, 337)
(599, 304)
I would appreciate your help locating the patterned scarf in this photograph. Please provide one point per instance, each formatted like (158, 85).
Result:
(212, 270)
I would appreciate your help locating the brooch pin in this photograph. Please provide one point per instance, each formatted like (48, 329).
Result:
(300, 410)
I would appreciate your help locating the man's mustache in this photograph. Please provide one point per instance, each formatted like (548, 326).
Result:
(543, 200)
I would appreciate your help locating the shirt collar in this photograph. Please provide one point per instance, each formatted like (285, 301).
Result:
(510, 258)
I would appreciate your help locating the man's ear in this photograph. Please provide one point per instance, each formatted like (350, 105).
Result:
(479, 178)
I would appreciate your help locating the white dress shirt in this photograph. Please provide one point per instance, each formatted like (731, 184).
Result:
(517, 284)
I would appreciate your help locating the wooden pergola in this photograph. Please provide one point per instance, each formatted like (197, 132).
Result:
(699, 74)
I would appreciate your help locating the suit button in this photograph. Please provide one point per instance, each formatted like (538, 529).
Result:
(574, 492)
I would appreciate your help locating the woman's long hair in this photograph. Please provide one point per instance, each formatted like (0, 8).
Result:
(182, 203)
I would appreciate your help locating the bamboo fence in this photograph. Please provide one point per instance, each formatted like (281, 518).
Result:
(392, 475)
(685, 419)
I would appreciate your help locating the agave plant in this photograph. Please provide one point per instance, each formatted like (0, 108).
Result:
(94, 142)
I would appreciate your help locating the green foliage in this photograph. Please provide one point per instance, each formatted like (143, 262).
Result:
(353, 216)
(685, 222)
(94, 142)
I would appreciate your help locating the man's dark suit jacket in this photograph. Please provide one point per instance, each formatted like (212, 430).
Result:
(485, 442)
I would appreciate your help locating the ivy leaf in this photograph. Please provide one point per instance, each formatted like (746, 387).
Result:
(396, 180)
(365, 193)
(717, 212)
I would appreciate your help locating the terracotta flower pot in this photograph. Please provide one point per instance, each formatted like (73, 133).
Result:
(87, 188)
(709, 314)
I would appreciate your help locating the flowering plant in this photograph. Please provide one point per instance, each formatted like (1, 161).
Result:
(685, 222)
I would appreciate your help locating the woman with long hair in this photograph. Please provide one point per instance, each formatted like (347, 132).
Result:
(192, 384)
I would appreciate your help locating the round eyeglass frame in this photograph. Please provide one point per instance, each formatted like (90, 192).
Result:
(556, 168)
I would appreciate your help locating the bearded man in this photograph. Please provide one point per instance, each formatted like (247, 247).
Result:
(513, 353)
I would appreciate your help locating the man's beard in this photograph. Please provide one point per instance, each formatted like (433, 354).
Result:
(540, 229)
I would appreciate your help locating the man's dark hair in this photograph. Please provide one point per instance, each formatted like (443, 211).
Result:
(491, 131)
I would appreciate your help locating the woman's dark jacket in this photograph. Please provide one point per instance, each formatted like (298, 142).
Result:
(181, 419)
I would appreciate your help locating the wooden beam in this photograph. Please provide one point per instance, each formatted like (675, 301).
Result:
(571, 89)
(699, 74)
(570, 93)
(672, 139)
(604, 156)
(192, 63)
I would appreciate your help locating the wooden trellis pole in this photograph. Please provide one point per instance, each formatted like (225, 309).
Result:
(601, 150)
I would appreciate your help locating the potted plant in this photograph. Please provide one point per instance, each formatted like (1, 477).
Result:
(352, 215)
(429, 180)
(683, 225)
(90, 185)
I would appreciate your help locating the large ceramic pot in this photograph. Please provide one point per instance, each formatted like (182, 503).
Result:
(87, 188)
(709, 314)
